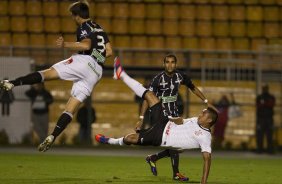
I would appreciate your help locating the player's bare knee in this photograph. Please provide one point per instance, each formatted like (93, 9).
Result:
(151, 98)
(126, 140)
(72, 105)
(130, 139)
(149, 94)
(49, 74)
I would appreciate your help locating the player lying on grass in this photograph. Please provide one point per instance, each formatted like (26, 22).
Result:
(166, 132)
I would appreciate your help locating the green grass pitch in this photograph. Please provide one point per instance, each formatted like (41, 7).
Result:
(49, 169)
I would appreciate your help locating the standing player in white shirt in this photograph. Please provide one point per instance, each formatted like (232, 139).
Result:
(177, 133)
(85, 68)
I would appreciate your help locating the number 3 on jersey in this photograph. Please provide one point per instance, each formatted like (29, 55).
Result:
(101, 43)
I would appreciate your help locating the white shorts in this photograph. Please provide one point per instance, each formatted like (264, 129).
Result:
(83, 70)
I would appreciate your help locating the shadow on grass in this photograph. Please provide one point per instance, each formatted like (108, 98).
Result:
(50, 180)
(94, 181)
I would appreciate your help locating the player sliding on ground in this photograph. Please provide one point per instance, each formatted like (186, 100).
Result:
(166, 86)
(166, 132)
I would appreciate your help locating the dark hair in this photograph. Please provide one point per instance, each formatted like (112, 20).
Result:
(79, 9)
(213, 114)
(170, 56)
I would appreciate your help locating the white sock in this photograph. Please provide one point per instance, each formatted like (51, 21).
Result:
(133, 84)
(118, 141)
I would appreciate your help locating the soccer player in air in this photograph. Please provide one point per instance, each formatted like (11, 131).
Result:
(165, 86)
(177, 133)
(84, 68)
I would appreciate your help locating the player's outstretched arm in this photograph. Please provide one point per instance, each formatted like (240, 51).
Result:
(206, 169)
(127, 140)
(143, 110)
(198, 92)
(138, 126)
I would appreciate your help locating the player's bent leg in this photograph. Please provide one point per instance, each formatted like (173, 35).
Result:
(174, 156)
(32, 78)
(46, 144)
(72, 105)
(6, 85)
(107, 140)
(131, 139)
(151, 98)
(102, 139)
(152, 163)
(50, 74)
(180, 177)
(134, 85)
(118, 69)
(152, 159)
(62, 123)
(160, 155)
(66, 117)
(128, 140)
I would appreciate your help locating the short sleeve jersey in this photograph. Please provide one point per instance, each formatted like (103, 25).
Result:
(188, 135)
(166, 88)
(98, 37)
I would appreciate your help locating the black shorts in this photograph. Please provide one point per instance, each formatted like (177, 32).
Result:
(153, 136)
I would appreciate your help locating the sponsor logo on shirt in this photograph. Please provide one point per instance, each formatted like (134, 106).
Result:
(168, 99)
(198, 132)
(93, 68)
(168, 129)
(98, 56)
(83, 33)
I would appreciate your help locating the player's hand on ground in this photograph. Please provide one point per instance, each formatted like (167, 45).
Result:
(60, 42)
(138, 126)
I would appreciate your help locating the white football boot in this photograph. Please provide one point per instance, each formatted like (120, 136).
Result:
(6, 85)
(46, 144)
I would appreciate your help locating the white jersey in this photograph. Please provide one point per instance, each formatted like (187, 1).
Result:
(188, 135)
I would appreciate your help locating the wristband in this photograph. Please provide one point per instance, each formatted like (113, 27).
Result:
(206, 101)
(141, 117)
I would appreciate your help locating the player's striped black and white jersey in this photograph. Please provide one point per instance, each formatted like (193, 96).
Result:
(166, 88)
(99, 39)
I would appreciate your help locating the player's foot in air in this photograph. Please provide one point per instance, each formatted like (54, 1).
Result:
(46, 144)
(152, 165)
(118, 69)
(102, 139)
(180, 177)
(6, 85)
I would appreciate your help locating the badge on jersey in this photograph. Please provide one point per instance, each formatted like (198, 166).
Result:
(69, 61)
